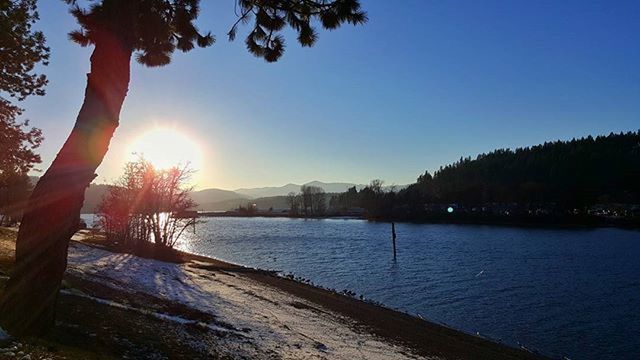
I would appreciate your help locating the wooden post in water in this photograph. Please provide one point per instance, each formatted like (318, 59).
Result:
(393, 236)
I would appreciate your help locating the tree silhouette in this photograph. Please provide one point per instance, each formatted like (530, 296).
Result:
(146, 205)
(150, 30)
(571, 174)
(17, 158)
(293, 200)
(17, 144)
(560, 180)
(313, 199)
(21, 50)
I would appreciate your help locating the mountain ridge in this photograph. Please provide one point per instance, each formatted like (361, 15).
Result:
(215, 199)
(268, 191)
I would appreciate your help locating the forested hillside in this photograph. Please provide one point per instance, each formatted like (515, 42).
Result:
(581, 177)
(573, 173)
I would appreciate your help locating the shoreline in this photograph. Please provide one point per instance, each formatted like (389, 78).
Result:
(540, 223)
(531, 222)
(425, 338)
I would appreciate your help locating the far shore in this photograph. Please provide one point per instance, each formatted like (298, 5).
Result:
(392, 333)
(541, 222)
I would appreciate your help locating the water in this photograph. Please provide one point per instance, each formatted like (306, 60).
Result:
(573, 293)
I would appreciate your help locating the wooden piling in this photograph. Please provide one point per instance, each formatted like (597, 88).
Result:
(393, 236)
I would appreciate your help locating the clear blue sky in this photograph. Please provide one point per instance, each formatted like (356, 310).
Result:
(423, 83)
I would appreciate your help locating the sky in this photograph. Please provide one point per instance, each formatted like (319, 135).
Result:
(420, 85)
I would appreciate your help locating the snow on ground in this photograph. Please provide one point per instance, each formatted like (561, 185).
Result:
(277, 328)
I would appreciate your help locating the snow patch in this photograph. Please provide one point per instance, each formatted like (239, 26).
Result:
(277, 327)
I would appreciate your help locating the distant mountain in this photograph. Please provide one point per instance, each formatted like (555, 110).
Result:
(266, 197)
(215, 195)
(222, 200)
(218, 200)
(286, 189)
(224, 205)
(205, 198)
(268, 191)
(275, 202)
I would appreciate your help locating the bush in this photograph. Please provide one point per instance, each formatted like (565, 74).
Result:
(146, 205)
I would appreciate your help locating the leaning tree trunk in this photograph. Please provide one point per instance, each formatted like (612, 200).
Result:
(27, 306)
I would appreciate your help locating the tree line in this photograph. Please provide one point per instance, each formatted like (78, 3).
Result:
(310, 201)
(560, 177)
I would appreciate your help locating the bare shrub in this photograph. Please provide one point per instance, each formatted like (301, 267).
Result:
(147, 205)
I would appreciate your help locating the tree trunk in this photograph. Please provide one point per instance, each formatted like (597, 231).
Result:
(27, 305)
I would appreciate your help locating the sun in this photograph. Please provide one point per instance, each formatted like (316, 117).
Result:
(166, 147)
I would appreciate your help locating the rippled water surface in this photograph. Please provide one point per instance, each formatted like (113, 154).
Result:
(572, 293)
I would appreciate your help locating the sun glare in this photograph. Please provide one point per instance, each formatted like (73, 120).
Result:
(166, 147)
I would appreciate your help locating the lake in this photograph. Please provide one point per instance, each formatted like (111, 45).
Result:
(563, 292)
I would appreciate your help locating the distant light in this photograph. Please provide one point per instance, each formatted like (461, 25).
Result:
(449, 209)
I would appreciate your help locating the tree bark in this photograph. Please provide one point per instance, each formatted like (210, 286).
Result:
(27, 305)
